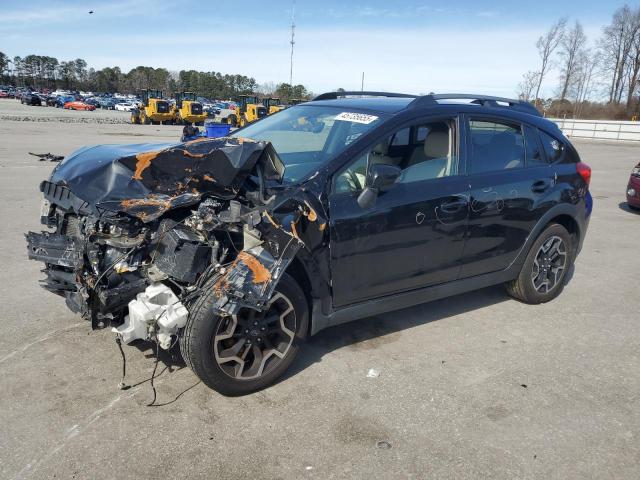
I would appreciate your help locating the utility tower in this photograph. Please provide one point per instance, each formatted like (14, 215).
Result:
(293, 41)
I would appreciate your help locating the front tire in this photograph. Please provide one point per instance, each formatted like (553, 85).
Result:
(239, 354)
(544, 271)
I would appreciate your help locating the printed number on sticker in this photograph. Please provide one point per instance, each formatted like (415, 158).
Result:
(356, 117)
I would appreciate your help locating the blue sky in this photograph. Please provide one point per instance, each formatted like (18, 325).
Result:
(412, 46)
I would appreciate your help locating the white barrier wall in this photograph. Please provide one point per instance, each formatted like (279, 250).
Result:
(600, 129)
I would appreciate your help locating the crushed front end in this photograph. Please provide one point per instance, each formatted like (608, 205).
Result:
(135, 234)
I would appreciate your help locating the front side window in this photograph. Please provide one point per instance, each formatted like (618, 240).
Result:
(424, 151)
(496, 146)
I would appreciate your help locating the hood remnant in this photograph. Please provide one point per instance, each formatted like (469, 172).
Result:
(137, 233)
(148, 180)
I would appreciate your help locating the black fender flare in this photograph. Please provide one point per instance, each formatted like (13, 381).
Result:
(571, 210)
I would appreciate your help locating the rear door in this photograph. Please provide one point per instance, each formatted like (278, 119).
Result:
(510, 182)
(414, 235)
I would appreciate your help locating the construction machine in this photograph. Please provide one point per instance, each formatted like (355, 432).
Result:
(188, 109)
(249, 110)
(272, 105)
(153, 109)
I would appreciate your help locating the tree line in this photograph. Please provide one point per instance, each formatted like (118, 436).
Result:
(39, 72)
(597, 80)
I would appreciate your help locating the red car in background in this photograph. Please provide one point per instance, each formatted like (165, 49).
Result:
(633, 189)
(78, 105)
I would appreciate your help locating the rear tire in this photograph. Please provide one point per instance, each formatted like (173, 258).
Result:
(234, 360)
(544, 271)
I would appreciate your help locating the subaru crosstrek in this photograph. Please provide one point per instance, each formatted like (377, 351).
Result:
(347, 206)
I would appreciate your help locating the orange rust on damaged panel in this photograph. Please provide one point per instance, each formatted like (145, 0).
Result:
(294, 231)
(145, 202)
(144, 159)
(208, 178)
(260, 272)
(187, 153)
(311, 215)
(322, 226)
(271, 220)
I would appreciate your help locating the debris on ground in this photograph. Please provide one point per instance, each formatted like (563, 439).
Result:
(373, 373)
(50, 157)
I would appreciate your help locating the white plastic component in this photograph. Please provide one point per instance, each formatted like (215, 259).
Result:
(157, 305)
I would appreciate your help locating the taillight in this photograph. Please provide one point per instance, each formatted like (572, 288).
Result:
(584, 171)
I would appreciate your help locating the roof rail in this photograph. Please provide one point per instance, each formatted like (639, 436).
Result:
(335, 95)
(484, 100)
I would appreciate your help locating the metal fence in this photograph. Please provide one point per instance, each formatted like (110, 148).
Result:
(600, 129)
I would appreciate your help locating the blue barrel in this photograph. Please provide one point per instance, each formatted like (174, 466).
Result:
(215, 130)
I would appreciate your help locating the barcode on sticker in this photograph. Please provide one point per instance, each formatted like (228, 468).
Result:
(356, 117)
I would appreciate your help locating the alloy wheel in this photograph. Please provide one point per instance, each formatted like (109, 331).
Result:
(549, 265)
(251, 343)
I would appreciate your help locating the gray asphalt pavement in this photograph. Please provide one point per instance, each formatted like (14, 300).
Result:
(474, 386)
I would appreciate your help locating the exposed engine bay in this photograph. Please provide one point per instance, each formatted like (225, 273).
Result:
(136, 233)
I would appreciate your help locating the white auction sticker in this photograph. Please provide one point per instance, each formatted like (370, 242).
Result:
(356, 117)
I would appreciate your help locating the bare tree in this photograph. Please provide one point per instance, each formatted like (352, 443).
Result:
(267, 89)
(527, 85)
(585, 67)
(571, 49)
(616, 44)
(546, 45)
(634, 58)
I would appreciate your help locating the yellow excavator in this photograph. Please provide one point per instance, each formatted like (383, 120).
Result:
(249, 110)
(153, 109)
(188, 109)
(272, 105)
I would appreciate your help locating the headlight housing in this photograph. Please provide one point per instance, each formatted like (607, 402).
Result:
(636, 171)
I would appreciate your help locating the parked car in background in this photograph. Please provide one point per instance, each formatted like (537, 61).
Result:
(30, 98)
(225, 109)
(125, 106)
(92, 101)
(633, 188)
(79, 105)
(51, 101)
(62, 99)
(4, 94)
(107, 103)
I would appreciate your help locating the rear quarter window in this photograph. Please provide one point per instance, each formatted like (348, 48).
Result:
(555, 150)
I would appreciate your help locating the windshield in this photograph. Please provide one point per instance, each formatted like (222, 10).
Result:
(306, 136)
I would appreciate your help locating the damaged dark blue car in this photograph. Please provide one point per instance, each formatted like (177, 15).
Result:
(347, 206)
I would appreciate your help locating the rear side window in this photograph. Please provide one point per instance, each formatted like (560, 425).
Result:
(553, 148)
(496, 146)
(534, 153)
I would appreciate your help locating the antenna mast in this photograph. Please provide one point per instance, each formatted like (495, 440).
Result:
(293, 42)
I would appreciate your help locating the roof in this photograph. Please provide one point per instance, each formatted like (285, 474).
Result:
(392, 103)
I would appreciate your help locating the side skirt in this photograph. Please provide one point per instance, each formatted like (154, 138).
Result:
(389, 303)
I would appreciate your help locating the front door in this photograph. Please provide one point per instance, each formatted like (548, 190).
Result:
(414, 235)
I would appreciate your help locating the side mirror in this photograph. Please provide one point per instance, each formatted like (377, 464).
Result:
(381, 178)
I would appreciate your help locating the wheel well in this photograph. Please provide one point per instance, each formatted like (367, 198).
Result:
(571, 225)
(299, 274)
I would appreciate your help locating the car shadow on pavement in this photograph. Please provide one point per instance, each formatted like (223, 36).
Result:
(625, 206)
(373, 330)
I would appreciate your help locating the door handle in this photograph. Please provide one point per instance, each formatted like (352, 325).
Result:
(454, 205)
(541, 186)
